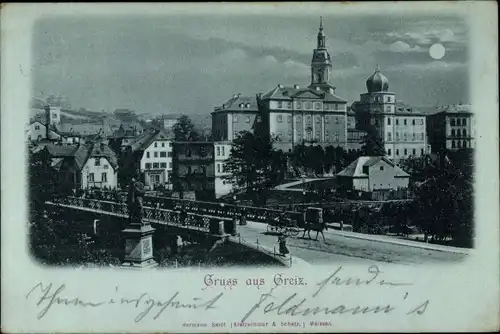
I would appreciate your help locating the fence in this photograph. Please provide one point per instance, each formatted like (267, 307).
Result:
(222, 210)
(202, 222)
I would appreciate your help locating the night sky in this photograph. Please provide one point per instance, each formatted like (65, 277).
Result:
(189, 64)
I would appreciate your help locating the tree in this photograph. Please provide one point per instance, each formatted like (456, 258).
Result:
(184, 129)
(42, 181)
(372, 145)
(445, 201)
(330, 157)
(254, 165)
(54, 239)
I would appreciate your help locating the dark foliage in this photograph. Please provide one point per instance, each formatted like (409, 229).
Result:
(184, 130)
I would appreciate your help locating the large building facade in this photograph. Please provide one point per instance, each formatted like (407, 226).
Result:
(313, 115)
(154, 149)
(236, 115)
(401, 128)
(452, 127)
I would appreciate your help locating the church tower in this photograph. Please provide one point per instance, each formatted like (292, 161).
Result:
(321, 64)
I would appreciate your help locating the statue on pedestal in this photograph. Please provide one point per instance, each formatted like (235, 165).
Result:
(136, 194)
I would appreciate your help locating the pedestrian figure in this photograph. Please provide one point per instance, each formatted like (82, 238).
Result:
(282, 245)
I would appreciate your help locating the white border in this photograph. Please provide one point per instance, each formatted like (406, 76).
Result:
(464, 297)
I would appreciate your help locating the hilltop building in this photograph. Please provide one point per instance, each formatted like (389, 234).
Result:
(397, 125)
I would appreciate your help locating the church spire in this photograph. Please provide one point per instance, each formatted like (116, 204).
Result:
(321, 65)
(321, 35)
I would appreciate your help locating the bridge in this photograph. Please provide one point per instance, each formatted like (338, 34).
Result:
(210, 226)
(213, 225)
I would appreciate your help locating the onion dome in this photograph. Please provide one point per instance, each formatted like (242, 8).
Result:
(377, 82)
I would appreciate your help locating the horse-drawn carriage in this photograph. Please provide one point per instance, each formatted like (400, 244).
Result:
(313, 221)
(282, 224)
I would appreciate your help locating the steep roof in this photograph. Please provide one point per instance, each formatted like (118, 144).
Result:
(64, 152)
(80, 153)
(455, 109)
(239, 103)
(147, 138)
(104, 151)
(295, 92)
(355, 169)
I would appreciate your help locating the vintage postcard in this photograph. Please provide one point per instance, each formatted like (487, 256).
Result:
(281, 167)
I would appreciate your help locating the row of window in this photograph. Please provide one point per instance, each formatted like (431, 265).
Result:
(104, 177)
(381, 99)
(459, 144)
(458, 133)
(405, 152)
(157, 165)
(279, 119)
(97, 162)
(414, 136)
(221, 149)
(419, 121)
(163, 144)
(458, 121)
(308, 135)
(235, 119)
(161, 153)
(221, 168)
(307, 105)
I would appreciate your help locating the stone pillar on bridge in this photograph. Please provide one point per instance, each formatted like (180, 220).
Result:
(138, 234)
(139, 246)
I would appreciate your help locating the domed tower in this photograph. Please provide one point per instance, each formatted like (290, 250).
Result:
(377, 82)
(321, 64)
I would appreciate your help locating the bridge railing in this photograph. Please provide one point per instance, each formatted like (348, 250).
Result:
(222, 210)
(198, 221)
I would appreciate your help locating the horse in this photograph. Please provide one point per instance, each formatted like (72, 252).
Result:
(319, 227)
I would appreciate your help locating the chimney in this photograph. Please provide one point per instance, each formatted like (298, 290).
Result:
(47, 121)
(296, 86)
(280, 86)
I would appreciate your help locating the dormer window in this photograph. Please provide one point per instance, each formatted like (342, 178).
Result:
(365, 170)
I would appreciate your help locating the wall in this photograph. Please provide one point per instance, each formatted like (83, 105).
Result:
(241, 121)
(220, 126)
(360, 184)
(90, 167)
(222, 152)
(384, 179)
(193, 158)
(36, 131)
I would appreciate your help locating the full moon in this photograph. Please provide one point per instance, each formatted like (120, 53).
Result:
(437, 51)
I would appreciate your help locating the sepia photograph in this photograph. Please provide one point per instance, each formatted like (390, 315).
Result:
(179, 158)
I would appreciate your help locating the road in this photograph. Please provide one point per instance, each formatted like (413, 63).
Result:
(341, 249)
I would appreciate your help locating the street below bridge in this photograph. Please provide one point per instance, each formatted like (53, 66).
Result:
(339, 249)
